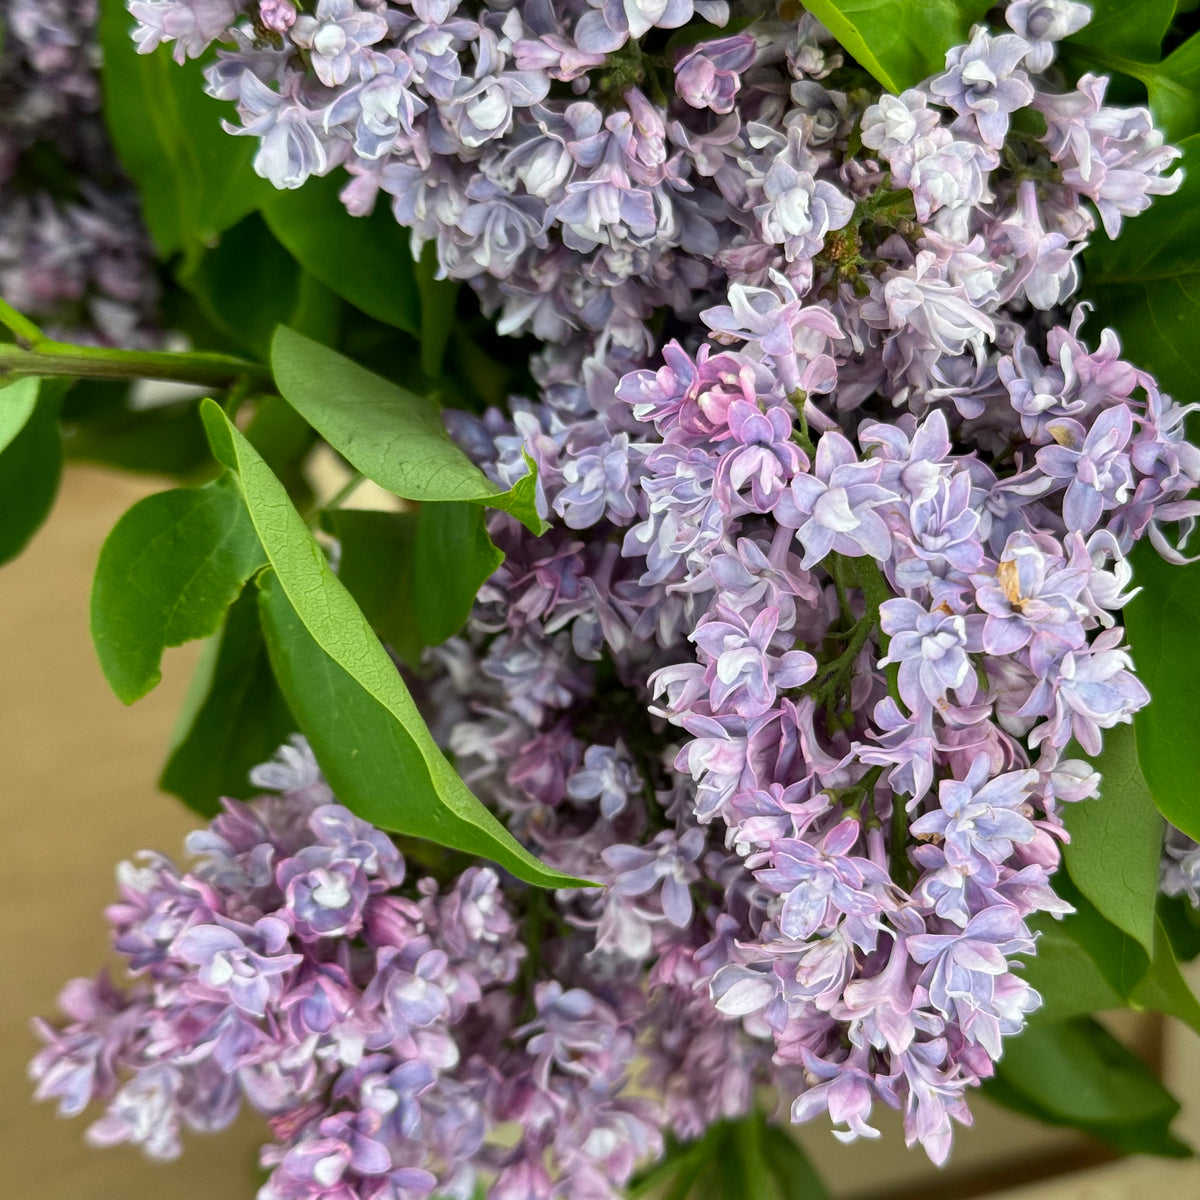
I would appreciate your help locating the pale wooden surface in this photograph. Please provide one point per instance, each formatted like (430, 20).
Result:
(79, 795)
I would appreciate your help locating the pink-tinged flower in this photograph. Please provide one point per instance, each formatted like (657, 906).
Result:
(710, 76)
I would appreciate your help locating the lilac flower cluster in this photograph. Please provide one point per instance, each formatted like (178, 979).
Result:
(79, 261)
(861, 551)
(371, 1018)
(568, 158)
(830, 586)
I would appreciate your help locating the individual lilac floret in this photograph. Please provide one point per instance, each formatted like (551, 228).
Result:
(710, 76)
(968, 978)
(1044, 23)
(743, 673)
(799, 211)
(336, 37)
(277, 15)
(1095, 462)
(1084, 691)
(983, 83)
(821, 884)
(765, 457)
(668, 860)
(795, 335)
(290, 150)
(932, 649)
(1181, 867)
(607, 775)
(245, 965)
(981, 816)
(1033, 594)
(1114, 156)
(834, 508)
(597, 485)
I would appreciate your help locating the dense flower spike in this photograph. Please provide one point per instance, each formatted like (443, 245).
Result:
(832, 585)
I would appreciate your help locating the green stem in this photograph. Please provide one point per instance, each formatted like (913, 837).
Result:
(901, 866)
(37, 355)
(47, 357)
(21, 327)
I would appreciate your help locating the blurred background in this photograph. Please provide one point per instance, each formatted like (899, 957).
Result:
(79, 795)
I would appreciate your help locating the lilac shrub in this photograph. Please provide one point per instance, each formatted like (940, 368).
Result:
(78, 261)
(831, 587)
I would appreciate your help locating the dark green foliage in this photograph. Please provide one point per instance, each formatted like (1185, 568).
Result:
(734, 1160)
(415, 574)
(235, 717)
(900, 42)
(1116, 840)
(1075, 1073)
(194, 179)
(337, 676)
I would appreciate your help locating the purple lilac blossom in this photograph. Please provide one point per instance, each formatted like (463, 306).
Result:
(73, 257)
(838, 555)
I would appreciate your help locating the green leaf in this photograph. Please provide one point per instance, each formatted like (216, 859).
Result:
(194, 179)
(1164, 989)
(1075, 1073)
(168, 572)
(345, 691)
(1146, 283)
(749, 1159)
(30, 467)
(1163, 624)
(1137, 27)
(17, 402)
(1066, 975)
(235, 718)
(365, 260)
(1084, 963)
(1181, 924)
(383, 766)
(246, 284)
(391, 435)
(415, 575)
(1174, 89)
(1121, 960)
(901, 42)
(1116, 840)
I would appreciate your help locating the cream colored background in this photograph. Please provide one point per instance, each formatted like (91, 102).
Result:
(78, 794)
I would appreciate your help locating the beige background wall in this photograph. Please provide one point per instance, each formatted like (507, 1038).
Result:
(78, 795)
